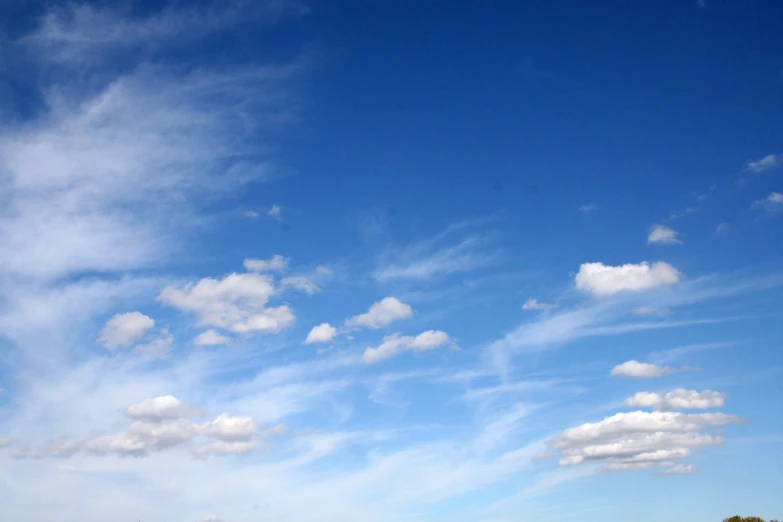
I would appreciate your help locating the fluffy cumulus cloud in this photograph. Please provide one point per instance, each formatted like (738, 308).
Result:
(535, 304)
(640, 370)
(638, 440)
(161, 408)
(323, 333)
(236, 303)
(660, 234)
(604, 280)
(210, 338)
(163, 423)
(772, 203)
(679, 399)
(122, 330)
(382, 313)
(393, 344)
(770, 161)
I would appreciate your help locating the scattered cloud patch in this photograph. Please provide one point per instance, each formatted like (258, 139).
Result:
(276, 212)
(770, 161)
(161, 408)
(393, 344)
(638, 440)
(772, 203)
(722, 229)
(586, 209)
(640, 370)
(210, 338)
(276, 263)
(323, 333)
(663, 235)
(122, 330)
(679, 399)
(535, 304)
(681, 469)
(382, 313)
(301, 283)
(603, 280)
(236, 303)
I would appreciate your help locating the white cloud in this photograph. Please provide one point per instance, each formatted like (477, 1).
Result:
(122, 330)
(770, 161)
(660, 234)
(679, 399)
(212, 518)
(276, 263)
(429, 339)
(650, 310)
(165, 407)
(426, 260)
(302, 283)
(586, 209)
(722, 229)
(535, 304)
(236, 303)
(382, 313)
(640, 370)
(5, 442)
(681, 469)
(322, 333)
(210, 338)
(159, 346)
(222, 447)
(251, 214)
(393, 344)
(276, 212)
(638, 439)
(228, 428)
(772, 203)
(603, 280)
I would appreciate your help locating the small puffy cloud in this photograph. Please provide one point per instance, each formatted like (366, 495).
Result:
(212, 518)
(251, 214)
(276, 263)
(142, 437)
(276, 212)
(393, 344)
(638, 439)
(679, 399)
(300, 283)
(210, 338)
(429, 339)
(722, 229)
(228, 428)
(123, 330)
(663, 235)
(770, 161)
(382, 313)
(535, 304)
(640, 370)
(681, 469)
(650, 310)
(585, 209)
(236, 303)
(166, 407)
(604, 280)
(772, 203)
(323, 333)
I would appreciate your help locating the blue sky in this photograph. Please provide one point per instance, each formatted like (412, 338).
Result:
(390, 261)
